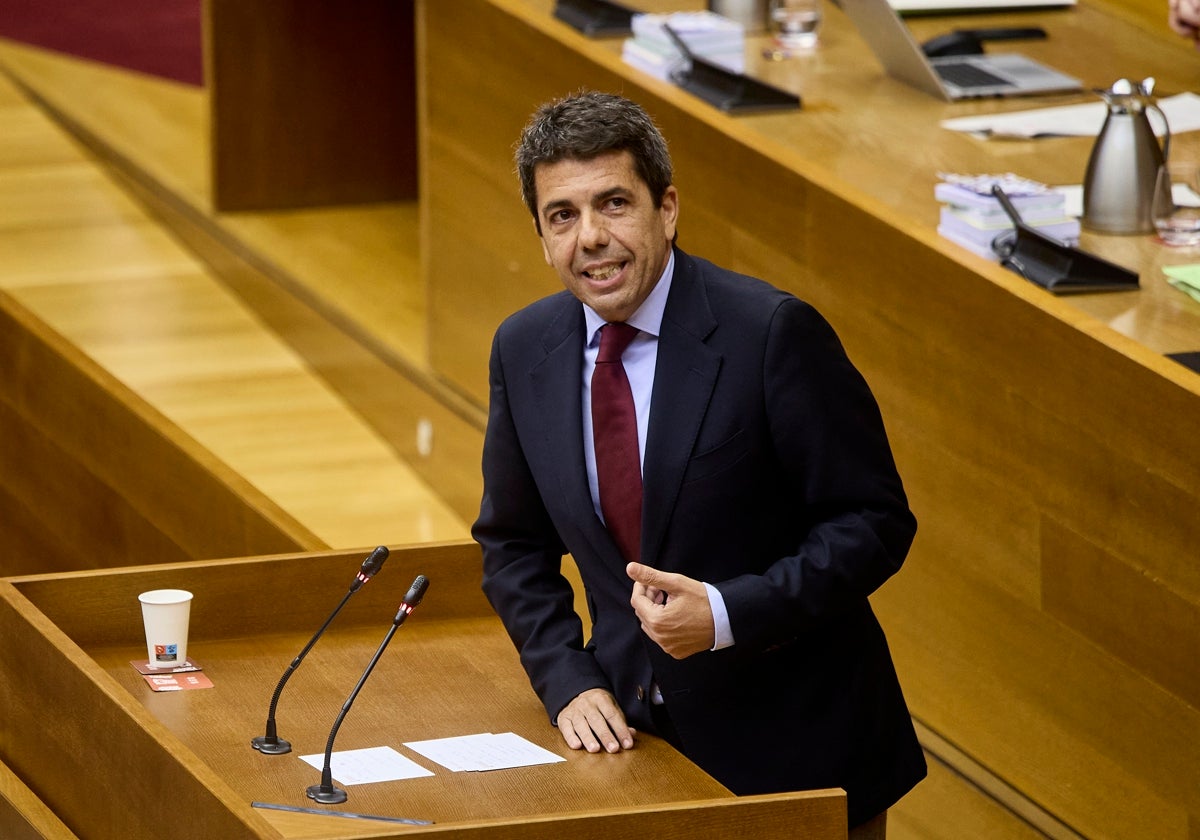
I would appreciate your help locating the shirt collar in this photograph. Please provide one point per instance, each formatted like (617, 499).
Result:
(648, 317)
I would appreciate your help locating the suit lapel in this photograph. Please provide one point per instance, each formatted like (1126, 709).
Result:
(556, 379)
(684, 379)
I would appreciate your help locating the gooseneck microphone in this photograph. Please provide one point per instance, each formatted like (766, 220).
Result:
(326, 793)
(271, 743)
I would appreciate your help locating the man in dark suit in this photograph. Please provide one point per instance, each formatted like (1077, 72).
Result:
(728, 603)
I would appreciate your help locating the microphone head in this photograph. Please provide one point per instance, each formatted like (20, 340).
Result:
(374, 562)
(370, 567)
(417, 591)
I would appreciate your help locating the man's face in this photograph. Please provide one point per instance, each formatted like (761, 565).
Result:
(601, 231)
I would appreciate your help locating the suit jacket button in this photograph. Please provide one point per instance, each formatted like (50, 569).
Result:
(641, 693)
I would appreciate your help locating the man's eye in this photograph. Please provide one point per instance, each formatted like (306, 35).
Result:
(616, 203)
(560, 216)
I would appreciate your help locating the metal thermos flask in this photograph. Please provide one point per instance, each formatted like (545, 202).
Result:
(1118, 185)
(751, 14)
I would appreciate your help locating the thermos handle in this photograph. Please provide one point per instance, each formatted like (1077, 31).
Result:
(1166, 146)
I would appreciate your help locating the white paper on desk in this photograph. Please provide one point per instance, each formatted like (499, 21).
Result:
(1072, 195)
(483, 752)
(373, 764)
(1182, 110)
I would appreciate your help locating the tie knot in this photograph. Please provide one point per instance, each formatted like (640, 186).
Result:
(614, 338)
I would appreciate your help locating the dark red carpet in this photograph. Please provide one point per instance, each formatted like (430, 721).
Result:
(159, 37)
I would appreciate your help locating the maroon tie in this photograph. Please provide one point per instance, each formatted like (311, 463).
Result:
(615, 433)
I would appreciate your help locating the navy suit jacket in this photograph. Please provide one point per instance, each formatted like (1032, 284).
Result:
(767, 473)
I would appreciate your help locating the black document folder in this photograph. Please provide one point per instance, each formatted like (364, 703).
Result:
(1054, 265)
(595, 18)
(1189, 359)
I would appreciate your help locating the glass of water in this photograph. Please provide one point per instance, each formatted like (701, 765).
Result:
(1176, 207)
(795, 23)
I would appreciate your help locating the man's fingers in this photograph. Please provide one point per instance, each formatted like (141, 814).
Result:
(593, 721)
(578, 734)
(567, 728)
(651, 584)
(646, 575)
(648, 594)
(603, 732)
(610, 724)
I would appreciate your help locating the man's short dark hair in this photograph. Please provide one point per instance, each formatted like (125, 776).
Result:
(584, 126)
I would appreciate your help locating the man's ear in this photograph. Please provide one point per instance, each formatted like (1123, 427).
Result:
(669, 209)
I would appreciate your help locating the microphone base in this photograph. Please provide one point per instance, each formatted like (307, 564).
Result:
(326, 796)
(271, 746)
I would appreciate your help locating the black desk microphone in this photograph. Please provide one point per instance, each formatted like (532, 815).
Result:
(326, 793)
(970, 41)
(271, 743)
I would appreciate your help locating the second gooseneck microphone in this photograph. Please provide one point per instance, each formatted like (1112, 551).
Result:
(325, 792)
(271, 743)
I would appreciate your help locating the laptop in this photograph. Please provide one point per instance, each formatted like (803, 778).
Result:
(949, 77)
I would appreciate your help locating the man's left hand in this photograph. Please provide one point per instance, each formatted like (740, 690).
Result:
(673, 609)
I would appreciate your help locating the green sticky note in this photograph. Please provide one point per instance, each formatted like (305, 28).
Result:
(1186, 278)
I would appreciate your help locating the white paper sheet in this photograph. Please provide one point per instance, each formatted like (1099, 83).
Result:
(373, 764)
(484, 751)
(1085, 120)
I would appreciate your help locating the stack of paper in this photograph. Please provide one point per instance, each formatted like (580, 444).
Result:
(971, 216)
(708, 35)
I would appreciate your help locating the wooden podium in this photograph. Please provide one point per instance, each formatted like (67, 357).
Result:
(112, 758)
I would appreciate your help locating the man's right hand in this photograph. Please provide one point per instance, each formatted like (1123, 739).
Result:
(594, 720)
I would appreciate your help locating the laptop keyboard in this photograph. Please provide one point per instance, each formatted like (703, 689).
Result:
(969, 76)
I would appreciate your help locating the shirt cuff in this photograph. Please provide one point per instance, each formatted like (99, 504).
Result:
(723, 632)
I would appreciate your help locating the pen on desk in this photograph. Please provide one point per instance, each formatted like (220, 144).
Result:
(350, 814)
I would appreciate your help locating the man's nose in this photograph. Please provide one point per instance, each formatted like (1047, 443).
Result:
(594, 230)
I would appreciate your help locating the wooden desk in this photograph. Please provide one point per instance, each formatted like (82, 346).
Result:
(1045, 621)
(114, 759)
(863, 141)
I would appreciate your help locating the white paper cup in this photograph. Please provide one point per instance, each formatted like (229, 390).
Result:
(166, 612)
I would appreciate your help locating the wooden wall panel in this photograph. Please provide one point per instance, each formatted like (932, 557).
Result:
(395, 395)
(112, 480)
(1127, 611)
(312, 102)
(25, 817)
(61, 515)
